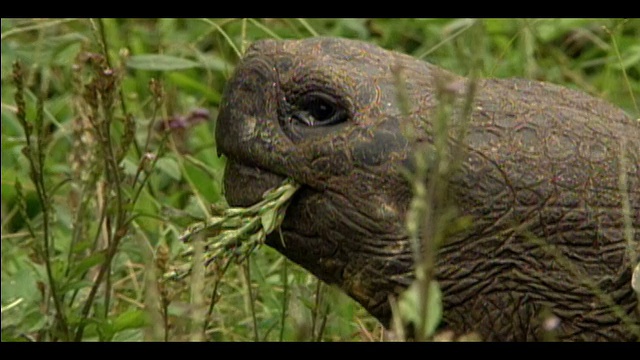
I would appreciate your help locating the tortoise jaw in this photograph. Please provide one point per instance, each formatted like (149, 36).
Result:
(245, 185)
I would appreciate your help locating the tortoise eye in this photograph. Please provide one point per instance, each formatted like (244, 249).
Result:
(317, 109)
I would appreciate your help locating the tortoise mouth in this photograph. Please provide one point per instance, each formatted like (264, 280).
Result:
(316, 234)
(298, 238)
(245, 185)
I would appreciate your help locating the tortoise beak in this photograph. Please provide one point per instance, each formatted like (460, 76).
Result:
(244, 185)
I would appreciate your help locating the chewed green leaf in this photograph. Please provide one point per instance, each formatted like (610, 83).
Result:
(268, 219)
(158, 62)
(239, 230)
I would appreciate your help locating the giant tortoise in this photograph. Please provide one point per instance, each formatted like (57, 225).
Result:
(549, 176)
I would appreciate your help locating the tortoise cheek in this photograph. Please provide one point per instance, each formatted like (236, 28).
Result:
(378, 144)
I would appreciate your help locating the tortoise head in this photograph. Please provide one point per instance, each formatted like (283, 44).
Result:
(325, 113)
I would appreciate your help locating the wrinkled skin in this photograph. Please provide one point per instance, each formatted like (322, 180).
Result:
(541, 162)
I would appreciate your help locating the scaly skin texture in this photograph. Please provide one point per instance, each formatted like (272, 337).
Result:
(540, 178)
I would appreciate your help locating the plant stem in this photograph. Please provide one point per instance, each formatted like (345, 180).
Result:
(247, 274)
(285, 295)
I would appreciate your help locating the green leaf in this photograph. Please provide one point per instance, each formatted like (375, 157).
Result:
(76, 285)
(216, 63)
(195, 85)
(194, 209)
(20, 285)
(130, 168)
(131, 319)
(552, 29)
(158, 62)
(60, 50)
(87, 263)
(268, 219)
(409, 307)
(170, 167)
(129, 335)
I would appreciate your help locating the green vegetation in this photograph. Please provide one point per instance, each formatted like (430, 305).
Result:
(108, 155)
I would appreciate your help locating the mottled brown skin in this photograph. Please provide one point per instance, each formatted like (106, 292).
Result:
(541, 162)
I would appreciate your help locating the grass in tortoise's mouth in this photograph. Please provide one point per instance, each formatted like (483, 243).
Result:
(235, 231)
